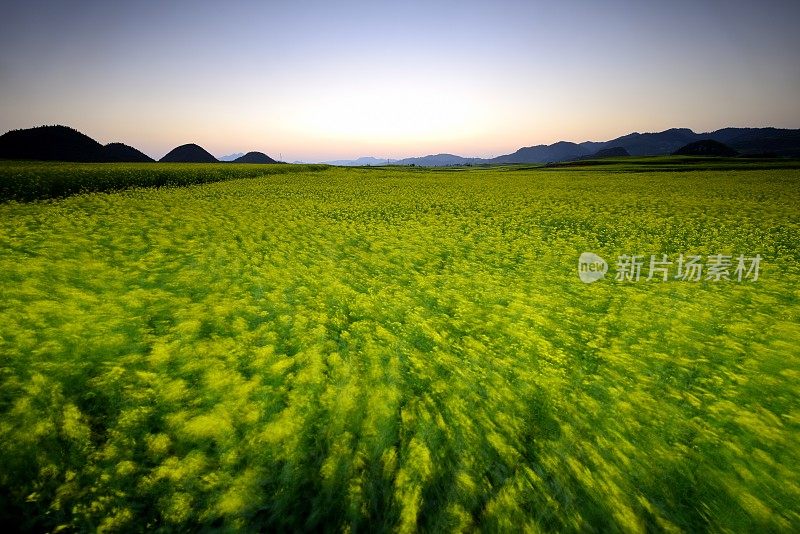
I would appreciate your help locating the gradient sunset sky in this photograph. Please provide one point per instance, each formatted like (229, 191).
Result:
(328, 80)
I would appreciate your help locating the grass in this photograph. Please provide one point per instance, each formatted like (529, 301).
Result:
(398, 350)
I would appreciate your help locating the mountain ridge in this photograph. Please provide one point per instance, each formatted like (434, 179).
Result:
(747, 141)
(62, 143)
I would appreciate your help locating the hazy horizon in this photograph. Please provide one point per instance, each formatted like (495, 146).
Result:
(312, 81)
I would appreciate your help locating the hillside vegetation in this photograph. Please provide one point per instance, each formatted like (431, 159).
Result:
(28, 180)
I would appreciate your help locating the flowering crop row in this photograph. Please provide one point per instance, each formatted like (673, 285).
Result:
(400, 350)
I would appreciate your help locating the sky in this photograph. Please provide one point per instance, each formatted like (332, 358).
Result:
(313, 81)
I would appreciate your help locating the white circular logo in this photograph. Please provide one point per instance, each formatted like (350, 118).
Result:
(591, 267)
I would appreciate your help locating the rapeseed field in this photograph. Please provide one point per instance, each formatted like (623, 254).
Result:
(402, 350)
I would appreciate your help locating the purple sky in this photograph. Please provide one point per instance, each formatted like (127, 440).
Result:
(327, 80)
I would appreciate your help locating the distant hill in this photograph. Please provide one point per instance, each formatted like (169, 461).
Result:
(747, 141)
(61, 143)
(119, 152)
(593, 146)
(190, 153)
(765, 141)
(560, 151)
(653, 144)
(254, 157)
(360, 162)
(50, 143)
(706, 147)
(751, 141)
(231, 157)
(438, 160)
(613, 152)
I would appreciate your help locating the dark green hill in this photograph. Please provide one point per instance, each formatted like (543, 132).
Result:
(62, 143)
(254, 157)
(706, 147)
(190, 153)
(119, 152)
(50, 143)
(767, 141)
(652, 144)
(560, 151)
(613, 152)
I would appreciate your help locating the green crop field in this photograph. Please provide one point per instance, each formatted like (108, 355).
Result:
(395, 349)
